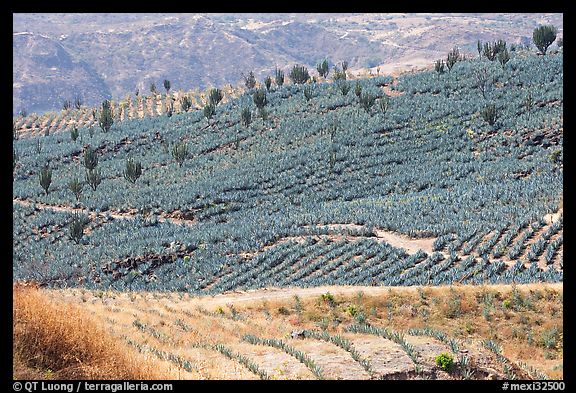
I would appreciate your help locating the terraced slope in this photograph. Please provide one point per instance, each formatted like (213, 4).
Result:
(337, 332)
(320, 191)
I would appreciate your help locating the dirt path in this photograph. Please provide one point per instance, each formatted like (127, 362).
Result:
(92, 214)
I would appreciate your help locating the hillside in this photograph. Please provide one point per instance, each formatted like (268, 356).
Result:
(425, 191)
(310, 193)
(202, 50)
(491, 332)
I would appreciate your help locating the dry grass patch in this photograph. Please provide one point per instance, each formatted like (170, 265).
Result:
(62, 341)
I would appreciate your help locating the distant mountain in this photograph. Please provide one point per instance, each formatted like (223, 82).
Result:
(103, 55)
(45, 74)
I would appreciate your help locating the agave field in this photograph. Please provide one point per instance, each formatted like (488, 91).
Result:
(299, 194)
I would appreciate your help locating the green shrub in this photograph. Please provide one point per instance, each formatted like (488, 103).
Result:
(445, 361)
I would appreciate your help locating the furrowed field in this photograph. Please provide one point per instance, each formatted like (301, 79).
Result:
(428, 179)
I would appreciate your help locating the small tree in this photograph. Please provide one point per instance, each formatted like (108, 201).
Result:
(249, 80)
(106, 119)
(339, 75)
(453, 58)
(344, 86)
(308, 93)
(543, 37)
(279, 77)
(246, 116)
(259, 97)
(323, 69)
(367, 101)
(215, 96)
(439, 66)
(344, 66)
(268, 82)
(133, 170)
(358, 90)
(93, 178)
(185, 103)
(76, 187)
(489, 114)
(167, 85)
(180, 152)
(153, 88)
(45, 178)
(479, 48)
(209, 111)
(77, 225)
(90, 158)
(74, 133)
(299, 74)
(503, 57)
(529, 103)
(15, 158)
(78, 102)
(383, 103)
(67, 104)
(483, 81)
(169, 109)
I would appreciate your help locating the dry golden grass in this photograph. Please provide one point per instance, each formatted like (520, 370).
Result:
(61, 341)
(526, 320)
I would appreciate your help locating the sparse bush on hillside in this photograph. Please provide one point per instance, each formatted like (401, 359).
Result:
(299, 74)
(358, 90)
(106, 119)
(323, 69)
(74, 133)
(484, 81)
(259, 97)
(439, 66)
(93, 178)
(185, 103)
(453, 58)
(215, 96)
(78, 102)
(344, 86)
(489, 114)
(543, 37)
(15, 158)
(90, 158)
(249, 80)
(268, 82)
(180, 152)
(383, 103)
(66, 105)
(339, 75)
(209, 111)
(169, 109)
(133, 170)
(492, 50)
(503, 57)
(76, 187)
(308, 93)
(45, 178)
(367, 101)
(246, 116)
(77, 225)
(279, 77)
